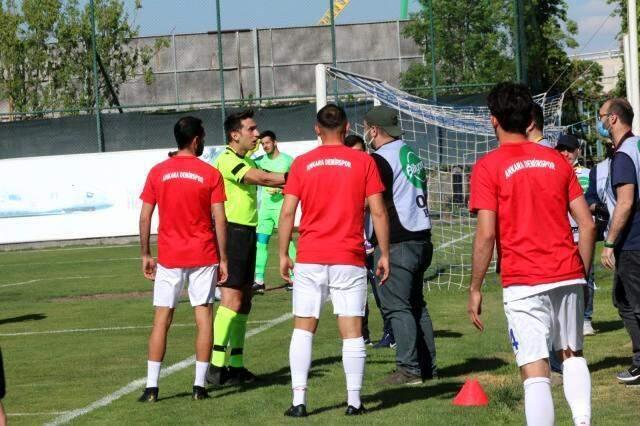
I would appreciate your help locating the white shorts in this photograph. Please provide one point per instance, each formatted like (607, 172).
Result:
(170, 281)
(312, 284)
(551, 320)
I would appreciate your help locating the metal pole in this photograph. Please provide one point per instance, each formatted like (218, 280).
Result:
(175, 65)
(256, 64)
(432, 47)
(627, 67)
(520, 41)
(333, 48)
(404, 9)
(221, 66)
(321, 89)
(96, 88)
(633, 49)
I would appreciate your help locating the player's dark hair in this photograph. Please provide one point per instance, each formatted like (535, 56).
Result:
(623, 109)
(537, 116)
(511, 105)
(268, 134)
(186, 129)
(353, 140)
(332, 117)
(233, 122)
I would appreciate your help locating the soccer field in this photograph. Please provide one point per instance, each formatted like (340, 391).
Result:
(74, 327)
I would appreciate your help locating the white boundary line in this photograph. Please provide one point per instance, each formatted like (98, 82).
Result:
(66, 249)
(449, 243)
(137, 384)
(36, 280)
(89, 330)
(71, 262)
(51, 413)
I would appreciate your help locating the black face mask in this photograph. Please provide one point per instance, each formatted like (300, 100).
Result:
(609, 150)
(200, 148)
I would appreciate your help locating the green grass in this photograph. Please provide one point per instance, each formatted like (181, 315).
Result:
(103, 287)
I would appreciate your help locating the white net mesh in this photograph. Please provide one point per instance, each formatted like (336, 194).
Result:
(449, 140)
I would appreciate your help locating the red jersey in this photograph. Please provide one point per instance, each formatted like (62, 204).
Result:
(530, 187)
(185, 187)
(332, 183)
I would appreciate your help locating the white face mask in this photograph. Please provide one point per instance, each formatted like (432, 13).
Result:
(367, 141)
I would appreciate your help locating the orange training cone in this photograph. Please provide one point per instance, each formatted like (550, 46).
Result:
(471, 394)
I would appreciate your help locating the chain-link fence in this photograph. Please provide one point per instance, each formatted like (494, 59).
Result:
(105, 77)
(123, 85)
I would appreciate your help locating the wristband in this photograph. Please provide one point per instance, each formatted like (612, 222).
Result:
(607, 244)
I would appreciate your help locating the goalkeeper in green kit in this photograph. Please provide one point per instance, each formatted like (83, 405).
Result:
(270, 203)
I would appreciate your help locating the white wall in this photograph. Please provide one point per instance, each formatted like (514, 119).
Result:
(82, 196)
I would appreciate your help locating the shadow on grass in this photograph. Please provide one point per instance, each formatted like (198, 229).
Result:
(472, 365)
(178, 395)
(447, 333)
(279, 377)
(609, 362)
(391, 397)
(607, 326)
(23, 318)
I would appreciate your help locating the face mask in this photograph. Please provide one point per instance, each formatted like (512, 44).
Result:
(367, 141)
(603, 131)
(200, 148)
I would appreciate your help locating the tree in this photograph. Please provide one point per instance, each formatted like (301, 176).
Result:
(471, 43)
(474, 42)
(621, 11)
(46, 57)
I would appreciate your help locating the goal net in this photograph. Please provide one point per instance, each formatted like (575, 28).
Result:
(448, 140)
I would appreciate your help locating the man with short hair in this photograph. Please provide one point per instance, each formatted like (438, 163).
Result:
(622, 246)
(270, 203)
(240, 179)
(191, 246)
(569, 147)
(522, 192)
(535, 129)
(405, 197)
(331, 183)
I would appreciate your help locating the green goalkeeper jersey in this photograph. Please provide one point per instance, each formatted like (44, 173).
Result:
(271, 198)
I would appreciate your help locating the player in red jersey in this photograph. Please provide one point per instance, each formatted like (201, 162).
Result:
(191, 246)
(522, 193)
(331, 183)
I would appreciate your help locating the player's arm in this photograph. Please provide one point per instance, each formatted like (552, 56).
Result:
(592, 192)
(621, 213)
(3, 416)
(220, 223)
(586, 230)
(285, 232)
(148, 264)
(259, 177)
(483, 244)
(380, 219)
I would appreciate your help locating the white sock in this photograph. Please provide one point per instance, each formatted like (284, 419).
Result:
(538, 403)
(353, 357)
(577, 389)
(300, 362)
(201, 372)
(153, 372)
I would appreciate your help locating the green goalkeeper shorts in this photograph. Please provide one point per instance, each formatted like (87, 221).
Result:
(267, 221)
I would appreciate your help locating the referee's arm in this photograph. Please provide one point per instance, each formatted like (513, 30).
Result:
(259, 177)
